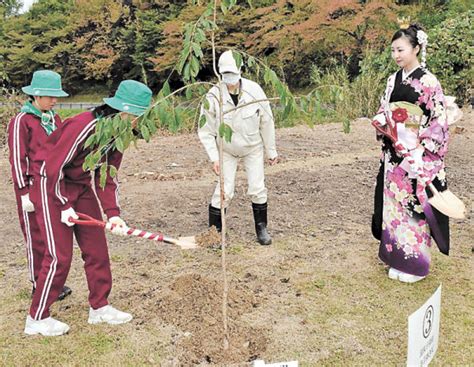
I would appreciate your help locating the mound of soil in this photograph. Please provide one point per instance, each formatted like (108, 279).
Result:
(209, 239)
(194, 305)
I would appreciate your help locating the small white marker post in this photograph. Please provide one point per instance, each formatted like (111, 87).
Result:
(261, 363)
(423, 331)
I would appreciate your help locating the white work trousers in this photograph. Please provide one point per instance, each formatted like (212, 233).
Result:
(254, 168)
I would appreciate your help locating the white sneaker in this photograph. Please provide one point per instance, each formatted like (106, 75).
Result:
(409, 278)
(394, 273)
(46, 327)
(109, 315)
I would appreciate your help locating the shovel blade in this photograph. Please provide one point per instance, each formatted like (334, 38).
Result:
(449, 204)
(186, 243)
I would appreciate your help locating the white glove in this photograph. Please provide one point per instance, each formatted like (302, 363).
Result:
(66, 214)
(120, 227)
(26, 204)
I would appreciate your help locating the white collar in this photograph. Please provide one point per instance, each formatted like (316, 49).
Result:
(406, 75)
(245, 92)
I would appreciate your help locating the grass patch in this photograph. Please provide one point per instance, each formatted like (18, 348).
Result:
(116, 258)
(24, 295)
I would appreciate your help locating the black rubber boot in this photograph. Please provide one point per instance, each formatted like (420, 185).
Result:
(215, 218)
(66, 292)
(260, 217)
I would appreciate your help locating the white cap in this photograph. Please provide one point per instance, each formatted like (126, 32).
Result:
(227, 63)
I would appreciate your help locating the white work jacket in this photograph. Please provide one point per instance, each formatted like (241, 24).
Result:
(252, 125)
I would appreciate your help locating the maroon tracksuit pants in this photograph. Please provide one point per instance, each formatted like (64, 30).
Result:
(59, 248)
(33, 239)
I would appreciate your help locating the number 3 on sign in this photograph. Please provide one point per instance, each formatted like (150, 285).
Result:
(428, 321)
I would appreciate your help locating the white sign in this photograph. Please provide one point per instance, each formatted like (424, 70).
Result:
(261, 363)
(423, 331)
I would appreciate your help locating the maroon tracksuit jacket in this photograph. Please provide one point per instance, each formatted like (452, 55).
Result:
(64, 184)
(26, 141)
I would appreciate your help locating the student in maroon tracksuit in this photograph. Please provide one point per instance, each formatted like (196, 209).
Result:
(65, 188)
(28, 132)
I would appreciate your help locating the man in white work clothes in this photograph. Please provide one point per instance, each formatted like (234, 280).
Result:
(253, 136)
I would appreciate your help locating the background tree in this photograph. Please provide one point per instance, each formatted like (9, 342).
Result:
(10, 7)
(96, 43)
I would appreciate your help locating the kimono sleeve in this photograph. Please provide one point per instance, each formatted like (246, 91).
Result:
(433, 133)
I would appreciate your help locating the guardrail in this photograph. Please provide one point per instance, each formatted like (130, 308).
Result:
(67, 105)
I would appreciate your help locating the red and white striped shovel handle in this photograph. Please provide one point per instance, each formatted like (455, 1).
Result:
(87, 220)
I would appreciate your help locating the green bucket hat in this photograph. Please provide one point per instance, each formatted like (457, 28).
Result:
(132, 97)
(45, 83)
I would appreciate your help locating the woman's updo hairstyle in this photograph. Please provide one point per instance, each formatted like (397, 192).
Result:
(416, 36)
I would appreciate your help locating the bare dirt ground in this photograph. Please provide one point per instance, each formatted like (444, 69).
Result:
(318, 294)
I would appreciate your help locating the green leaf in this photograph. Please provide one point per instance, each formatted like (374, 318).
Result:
(194, 66)
(126, 139)
(186, 72)
(119, 144)
(90, 140)
(166, 89)
(178, 119)
(86, 164)
(225, 132)
(112, 171)
(163, 116)
(96, 156)
(273, 77)
(197, 50)
(188, 94)
(202, 121)
(209, 10)
(199, 36)
(116, 124)
(237, 57)
(103, 175)
(267, 76)
(250, 61)
(151, 124)
(224, 7)
(206, 104)
(146, 133)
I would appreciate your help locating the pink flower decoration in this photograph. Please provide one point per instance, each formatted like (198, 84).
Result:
(430, 105)
(419, 238)
(416, 84)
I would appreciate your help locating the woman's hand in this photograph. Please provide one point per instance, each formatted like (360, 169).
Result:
(216, 167)
(274, 161)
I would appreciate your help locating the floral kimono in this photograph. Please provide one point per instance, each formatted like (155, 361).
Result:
(403, 220)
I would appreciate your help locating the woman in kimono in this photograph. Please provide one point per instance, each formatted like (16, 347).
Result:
(413, 110)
